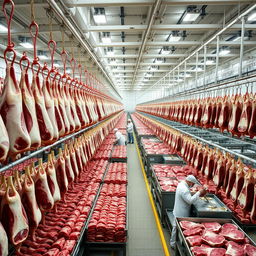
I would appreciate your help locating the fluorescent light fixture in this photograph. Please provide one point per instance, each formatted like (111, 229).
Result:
(165, 52)
(179, 80)
(106, 40)
(110, 53)
(191, 16)
(187, 75)
(26, 45)
(3, 28)
(154, 68)
(159, 60)
(112, 61)
(239, 38)
(209, 62)
(198, 69)
(99, 16)
(252, 17)
(224, 52)
(174, 38)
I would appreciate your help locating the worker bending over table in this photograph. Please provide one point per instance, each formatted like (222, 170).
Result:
(120, 139)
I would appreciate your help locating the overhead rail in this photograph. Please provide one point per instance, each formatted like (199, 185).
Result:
(244, 150)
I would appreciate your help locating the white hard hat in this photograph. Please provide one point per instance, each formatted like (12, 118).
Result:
(115, 129)
(129, 119)
(192, 179)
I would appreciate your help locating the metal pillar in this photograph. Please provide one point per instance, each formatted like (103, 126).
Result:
(205, 51)
(185, 73)
(217, 58)
(241, 48)
(196, 68)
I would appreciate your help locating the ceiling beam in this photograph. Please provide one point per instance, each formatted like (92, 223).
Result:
(167, 27)
(172, 43)
(159, 64)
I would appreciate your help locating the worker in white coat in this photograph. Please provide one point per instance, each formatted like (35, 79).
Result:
(183, 202)
(120, 139)
(130, 131)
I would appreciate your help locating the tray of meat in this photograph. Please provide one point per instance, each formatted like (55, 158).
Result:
(211, 206)
(208, 236)
(119, 154)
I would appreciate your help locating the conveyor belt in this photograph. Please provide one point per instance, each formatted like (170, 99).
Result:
(238, 148)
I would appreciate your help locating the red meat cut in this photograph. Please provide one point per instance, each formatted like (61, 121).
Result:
(3, 242)
(253, 212)
(190, 225)
(208, 251)
(13, 215)
(250, 250)
(192, 232)
(4, 141)
(212, 226)
(234, 249)
(194, 240)
(213, 239)
(13, 116)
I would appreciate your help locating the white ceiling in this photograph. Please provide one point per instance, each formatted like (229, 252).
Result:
(134, 53)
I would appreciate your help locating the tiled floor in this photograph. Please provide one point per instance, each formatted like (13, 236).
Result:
(144, 238)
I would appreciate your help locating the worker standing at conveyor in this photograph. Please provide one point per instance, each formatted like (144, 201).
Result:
(120, 139)
(183, 202)
(130, 131)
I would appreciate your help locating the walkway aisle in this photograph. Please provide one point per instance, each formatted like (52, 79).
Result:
(143, 238)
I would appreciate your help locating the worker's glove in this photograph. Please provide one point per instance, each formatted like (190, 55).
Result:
(203, 192)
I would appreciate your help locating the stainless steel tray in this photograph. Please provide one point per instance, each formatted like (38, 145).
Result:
(182, 244)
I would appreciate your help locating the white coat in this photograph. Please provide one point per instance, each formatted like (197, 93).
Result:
(183, 200)
(120, 138)
(130, 127)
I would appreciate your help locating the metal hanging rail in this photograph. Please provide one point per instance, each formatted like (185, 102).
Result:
(222, 142)
(41, 150)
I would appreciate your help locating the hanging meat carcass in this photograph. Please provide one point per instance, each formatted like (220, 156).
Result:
(68, 166)
(29, 109)
(252, 125)
(245, 198)
(70, 95)
(29, 202)
(44, 122)
(238, 185)
(253, 211)
(245, 118)
(17, 181)
(13, 116)
(13, 215)
(235, 115)
(49, 104)
(4, 141)
(199, 111)
(43, 194)
(220, 172)
(3, 187)
(232, 177)
(206, 119)
(224, 114)
(219, 102)
(3, 242)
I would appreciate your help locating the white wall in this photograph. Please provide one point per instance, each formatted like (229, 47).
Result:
(129, 100)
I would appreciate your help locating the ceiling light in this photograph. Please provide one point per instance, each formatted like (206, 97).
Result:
(209, 62)
(110, 53)
(3, 28)
(26, 45)
(191, 16)
(252, 17)
(198, 69)
(174, 38)
(224, 52)
(179, 80)
(154, 67)
(99, 16)
(105, 38)
(159, 60)
(112, 61)
(165, 50)
(187, 75)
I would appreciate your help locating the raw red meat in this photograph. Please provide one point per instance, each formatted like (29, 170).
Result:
(44, 122)
(208, 251)
(212, 226)
(229, 226)
(69, 245)
(61, 174)
(253, 212)
(3, 242)
(192, 232)
(29, 109)
(70, 95)
(212, 238)
(245, 198)
(52, 252)
(73, 161)
(238, 185)
(190, 225)
(29, 202)
(194, 240)
(232, 177)
(13, 116)
(43, 194)
(234, 249)
(250, 250)
(235, 115)
(4, 141)
(220, 172)
(252, 125)
(68, 166)
(232, 233)
(224, 114)
(59, 243)
(246, 114)
(13, 215)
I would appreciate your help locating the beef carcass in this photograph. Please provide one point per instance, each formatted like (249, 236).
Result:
(213, 239)
(13, 116)
(52, 179)
(44, 122)
(3, 187)
(224, 114)
(4, 141)
(68, 166)
(29, 109)
(29, 202)
(238, 185)
(73, 161)
(199, 112)
(232, 177)
(220, 172)
(61, 174)
(206, 119)
(209, 167)
(17, 181)
(62, 107)
(3, 242)
(70, 96)
(43, 194)
(235, 115)
(252, 125)
(219, 102)
(49, 104)
(253, 211)
(245, 118)
(79, 108)
(245, 198)
(13, 215)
